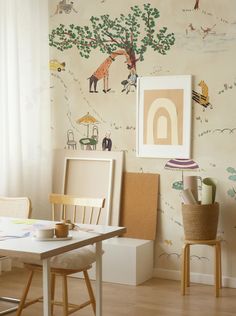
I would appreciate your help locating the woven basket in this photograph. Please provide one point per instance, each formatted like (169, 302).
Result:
(200, 221)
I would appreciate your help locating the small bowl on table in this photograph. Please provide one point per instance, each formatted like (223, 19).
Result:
(44, 233)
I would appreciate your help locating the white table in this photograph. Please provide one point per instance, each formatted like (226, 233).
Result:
(44, 250)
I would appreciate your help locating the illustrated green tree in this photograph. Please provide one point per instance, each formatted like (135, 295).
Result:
(134, 33)
(232, 192)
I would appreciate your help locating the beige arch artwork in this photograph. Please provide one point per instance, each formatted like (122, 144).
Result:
(170, 107)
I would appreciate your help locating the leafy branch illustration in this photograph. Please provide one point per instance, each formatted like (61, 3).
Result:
(232, 191)
(123, 32)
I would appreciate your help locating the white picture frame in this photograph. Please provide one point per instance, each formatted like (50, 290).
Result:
(72, 167)
(164, 116)
(79, 172)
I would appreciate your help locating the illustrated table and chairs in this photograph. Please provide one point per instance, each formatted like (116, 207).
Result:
(42, 255)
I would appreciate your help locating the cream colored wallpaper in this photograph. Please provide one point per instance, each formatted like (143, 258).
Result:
(93, 97)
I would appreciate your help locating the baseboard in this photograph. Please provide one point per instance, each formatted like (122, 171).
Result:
(195, 277)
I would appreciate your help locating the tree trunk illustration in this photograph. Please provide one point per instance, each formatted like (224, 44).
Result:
(196, 5)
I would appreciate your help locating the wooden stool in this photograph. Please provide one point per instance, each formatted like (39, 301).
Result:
(185, 281)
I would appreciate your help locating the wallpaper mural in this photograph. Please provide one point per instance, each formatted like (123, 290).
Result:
(98, 50)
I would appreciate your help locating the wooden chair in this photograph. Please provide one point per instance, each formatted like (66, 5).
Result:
(83, 210)
(15, 207)
(185, 281)
(19, 207)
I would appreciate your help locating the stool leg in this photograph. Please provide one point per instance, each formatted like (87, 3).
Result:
(188, 266)
(184, 269)
(217, 269)
(220, 264)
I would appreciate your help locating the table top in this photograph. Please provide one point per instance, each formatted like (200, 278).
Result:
(16, 238)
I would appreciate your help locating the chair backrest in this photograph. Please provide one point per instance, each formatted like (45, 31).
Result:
(15, 207)
(78, 209)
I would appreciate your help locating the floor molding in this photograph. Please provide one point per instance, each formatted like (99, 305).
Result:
(195, 277)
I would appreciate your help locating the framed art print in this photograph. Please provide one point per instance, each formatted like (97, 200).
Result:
(164, 116)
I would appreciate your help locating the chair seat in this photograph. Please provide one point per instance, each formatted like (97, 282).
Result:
(83, 210)
(77, 259)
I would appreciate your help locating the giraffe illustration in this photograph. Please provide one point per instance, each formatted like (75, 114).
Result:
(102, 71)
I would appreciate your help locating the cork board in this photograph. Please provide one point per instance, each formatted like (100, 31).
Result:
(139, 203)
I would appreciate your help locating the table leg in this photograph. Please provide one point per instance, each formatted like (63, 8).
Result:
(99, 278)
(46, 288)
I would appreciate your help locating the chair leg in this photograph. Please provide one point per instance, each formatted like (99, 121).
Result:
(25, 293)
(65, 296)
(53, 282)
(90, 290)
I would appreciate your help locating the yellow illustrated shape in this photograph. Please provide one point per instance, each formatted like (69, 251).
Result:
(54, 64)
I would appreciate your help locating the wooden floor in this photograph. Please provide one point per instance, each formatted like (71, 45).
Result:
(154, 297)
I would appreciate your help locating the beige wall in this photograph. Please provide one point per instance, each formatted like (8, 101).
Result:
(205, 47)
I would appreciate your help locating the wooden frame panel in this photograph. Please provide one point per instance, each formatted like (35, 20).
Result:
(90, 174)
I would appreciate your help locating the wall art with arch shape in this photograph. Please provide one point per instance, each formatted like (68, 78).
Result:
(164, 116)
